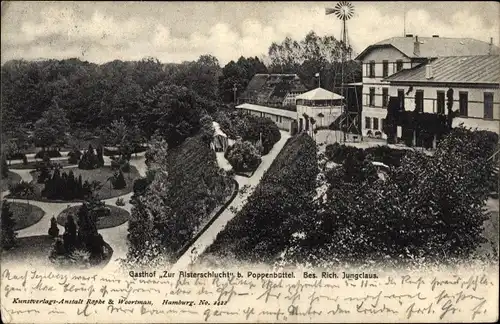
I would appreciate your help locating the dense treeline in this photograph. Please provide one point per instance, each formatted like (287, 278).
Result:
(94, 95)
(427, 208)
(311, 55)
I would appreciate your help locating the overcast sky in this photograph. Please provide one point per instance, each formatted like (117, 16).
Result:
(177, 31)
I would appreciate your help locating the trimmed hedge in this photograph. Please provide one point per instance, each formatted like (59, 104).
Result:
(50, 153)
(16, 156)
(384, 154)
(115, 151)
(178, 202)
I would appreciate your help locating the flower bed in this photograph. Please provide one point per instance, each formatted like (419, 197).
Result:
(101, 175)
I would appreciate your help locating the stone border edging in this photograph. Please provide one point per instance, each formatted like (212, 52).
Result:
(210, 222)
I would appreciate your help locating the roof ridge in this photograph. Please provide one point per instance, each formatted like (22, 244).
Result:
(482, 55)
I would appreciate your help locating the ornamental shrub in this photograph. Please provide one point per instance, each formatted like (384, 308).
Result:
(5, 168)
(243, 157)
(120, 202)
(22, 189)
(53, 230)
(100, 157)
(70, 234)
(65, 186)
(119, 181)
(44, 173)
(120, 163)
(89, 160)
(74, 156)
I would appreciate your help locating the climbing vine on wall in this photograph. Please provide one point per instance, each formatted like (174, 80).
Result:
(425, 126)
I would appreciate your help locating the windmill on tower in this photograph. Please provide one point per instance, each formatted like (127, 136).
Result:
(344, 10)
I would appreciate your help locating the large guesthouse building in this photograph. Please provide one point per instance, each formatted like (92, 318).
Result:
(475, 84)
(399, 66)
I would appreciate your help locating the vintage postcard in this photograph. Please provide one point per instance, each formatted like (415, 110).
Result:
(244, 162)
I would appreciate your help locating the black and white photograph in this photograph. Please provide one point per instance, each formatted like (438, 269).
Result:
(249, 161)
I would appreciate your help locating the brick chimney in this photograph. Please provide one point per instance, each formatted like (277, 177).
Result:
(416, 47)
(491, 46)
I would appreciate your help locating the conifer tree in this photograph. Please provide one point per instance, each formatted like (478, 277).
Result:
(100, 156)
(53, 230)
(5, 168)
(44, 174)
(69, 236)
(119, 181)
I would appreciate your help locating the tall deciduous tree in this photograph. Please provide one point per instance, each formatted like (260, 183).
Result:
(238, 74)
(201, 76)
(173, 111)
(311, 55)
(50, 130)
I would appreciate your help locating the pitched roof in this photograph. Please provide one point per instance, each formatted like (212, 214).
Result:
(319, 94)
(435, 46)
(269, 110)
(272, 88)
(454, 69)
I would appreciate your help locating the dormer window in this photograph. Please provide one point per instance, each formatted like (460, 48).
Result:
(399, 65)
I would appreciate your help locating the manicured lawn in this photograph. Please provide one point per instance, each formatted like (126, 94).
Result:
(118, 216)
(12, 178)
(25, 215)
(33, 164)
(102, 175)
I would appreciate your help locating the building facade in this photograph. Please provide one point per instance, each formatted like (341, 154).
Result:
(475, 81)
(283, 118)
(315, 108)
(397, 54)
(323, 106)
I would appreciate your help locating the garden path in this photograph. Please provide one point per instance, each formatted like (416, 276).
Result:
(209, 235)
(116, 237)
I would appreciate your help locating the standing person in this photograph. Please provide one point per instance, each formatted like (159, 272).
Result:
(194, 255)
